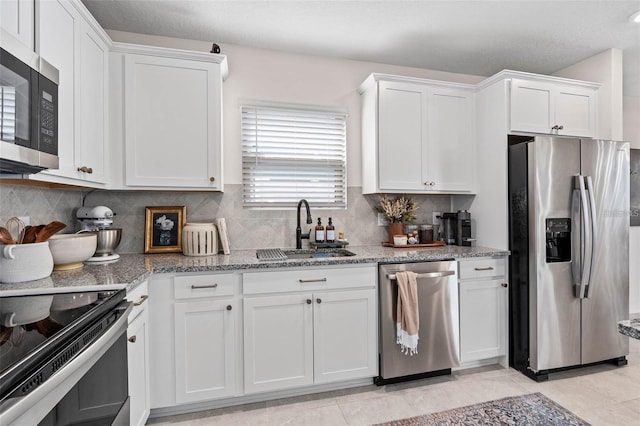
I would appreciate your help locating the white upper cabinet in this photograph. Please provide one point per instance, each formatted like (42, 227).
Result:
(417, 136)
(70, 39)
(17, 20)
(553, 108)
(172, 123)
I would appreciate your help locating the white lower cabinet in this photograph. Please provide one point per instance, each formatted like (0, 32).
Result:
(204, 349)
(194, 338)
(138, 356)
(483, 309)
(309, 337)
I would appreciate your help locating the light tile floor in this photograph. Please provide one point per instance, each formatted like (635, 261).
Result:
(602, 395)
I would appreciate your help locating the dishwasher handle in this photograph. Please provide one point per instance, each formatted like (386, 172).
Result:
(439, 274)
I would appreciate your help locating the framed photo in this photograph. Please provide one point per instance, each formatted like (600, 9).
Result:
(163, 229)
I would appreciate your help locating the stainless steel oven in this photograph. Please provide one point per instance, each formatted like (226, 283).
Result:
(63, 359)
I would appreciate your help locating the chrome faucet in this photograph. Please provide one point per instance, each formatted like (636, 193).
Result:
(299, 234)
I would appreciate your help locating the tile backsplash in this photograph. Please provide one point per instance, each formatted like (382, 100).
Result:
(247, 228)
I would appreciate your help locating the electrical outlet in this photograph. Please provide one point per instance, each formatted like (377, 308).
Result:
(381, 220)
(25, 219)
(436, 220)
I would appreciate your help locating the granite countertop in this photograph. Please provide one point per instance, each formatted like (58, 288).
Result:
(132, 269)
(630, 328)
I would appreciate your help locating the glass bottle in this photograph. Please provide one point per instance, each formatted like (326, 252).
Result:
(319, 232)
(331, 232)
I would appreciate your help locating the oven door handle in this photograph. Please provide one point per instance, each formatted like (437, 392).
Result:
(32, 408)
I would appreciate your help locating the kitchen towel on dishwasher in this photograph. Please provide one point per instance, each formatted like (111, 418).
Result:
(407, 315)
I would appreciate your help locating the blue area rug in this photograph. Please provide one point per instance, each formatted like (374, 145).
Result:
(525, 410)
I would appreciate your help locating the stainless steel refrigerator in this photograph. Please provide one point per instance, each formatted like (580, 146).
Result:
(569, 242)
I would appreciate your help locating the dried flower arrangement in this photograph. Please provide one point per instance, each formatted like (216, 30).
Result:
(400, 210)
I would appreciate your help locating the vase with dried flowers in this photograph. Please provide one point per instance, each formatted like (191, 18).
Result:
(397, 212)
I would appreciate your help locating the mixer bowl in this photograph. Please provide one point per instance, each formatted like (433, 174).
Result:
(108, 241)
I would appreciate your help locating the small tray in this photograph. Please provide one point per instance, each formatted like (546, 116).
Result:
(433, 244)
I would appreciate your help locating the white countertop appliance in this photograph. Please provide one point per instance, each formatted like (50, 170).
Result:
(99, 219)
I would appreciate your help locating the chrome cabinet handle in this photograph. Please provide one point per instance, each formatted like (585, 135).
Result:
(85, 169)
(505, 285)
(316, 280)
(198, 287)
(488, 268)
(429, 183)
(141, 300)
(132, 339)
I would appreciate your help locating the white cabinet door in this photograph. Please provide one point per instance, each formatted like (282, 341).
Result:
(172, 122)
(402, 124)
(138, 360)
(449, 153)
(58, 34)
(576, 111)
(482, 319)
(91, 117)
(552, 108)
(205, 349)
(17, 19)
(278, 342)
(345, 335)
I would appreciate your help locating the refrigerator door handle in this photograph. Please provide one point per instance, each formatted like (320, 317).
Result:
(586, 240)
(594, 234)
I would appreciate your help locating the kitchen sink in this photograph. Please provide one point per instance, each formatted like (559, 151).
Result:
(279, 254)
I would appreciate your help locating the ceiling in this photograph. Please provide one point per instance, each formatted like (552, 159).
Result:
(470, 37)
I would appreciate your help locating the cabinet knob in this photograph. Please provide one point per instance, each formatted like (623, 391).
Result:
(212, 179)
(429, 183)
(505, 285)
(229, 307)
(308, 301)
(318, 300)
(85, 169)
(132, 339)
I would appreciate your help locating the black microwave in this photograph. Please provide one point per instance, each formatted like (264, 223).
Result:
(28, 114)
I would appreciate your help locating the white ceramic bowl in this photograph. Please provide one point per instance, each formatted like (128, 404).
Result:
(70, 250)
(25, 262)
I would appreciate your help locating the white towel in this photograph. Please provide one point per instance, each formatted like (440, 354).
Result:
(407, 314)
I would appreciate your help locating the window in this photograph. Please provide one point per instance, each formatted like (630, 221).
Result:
(293, 152)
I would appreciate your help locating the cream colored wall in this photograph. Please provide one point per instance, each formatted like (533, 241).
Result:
(606, 69)
(632, 134)
(271, 75)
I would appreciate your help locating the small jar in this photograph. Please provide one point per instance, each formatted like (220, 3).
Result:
(412, 233)
(425, 232)
(199, 239)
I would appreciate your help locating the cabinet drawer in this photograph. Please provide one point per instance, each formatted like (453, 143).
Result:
(138, 296)
(481, 268)
(309, 279)
(210, 285)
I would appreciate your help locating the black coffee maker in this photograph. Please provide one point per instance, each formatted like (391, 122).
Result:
(456, 228)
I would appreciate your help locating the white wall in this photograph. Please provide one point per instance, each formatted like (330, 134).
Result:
(606, 69)
(632, 134)
(271, 75)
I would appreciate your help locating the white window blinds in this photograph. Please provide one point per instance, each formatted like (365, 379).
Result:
(291, 153)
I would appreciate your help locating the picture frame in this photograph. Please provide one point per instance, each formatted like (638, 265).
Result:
(163, 229)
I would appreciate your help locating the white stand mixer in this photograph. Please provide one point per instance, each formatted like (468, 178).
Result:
(99, 219)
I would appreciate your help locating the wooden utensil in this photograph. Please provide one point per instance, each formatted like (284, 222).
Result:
(5, 236)
(30, 233)
(49, 231)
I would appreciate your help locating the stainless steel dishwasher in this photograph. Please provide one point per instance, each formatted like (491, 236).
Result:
(438, 344)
